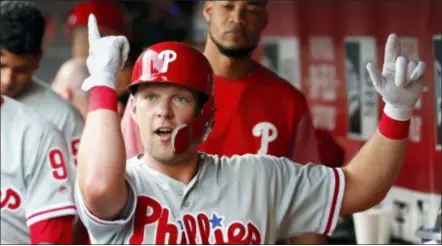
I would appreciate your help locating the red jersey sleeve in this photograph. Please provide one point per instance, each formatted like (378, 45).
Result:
(53, 231)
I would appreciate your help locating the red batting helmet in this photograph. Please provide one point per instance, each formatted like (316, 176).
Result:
(108, 14)
(179, 64)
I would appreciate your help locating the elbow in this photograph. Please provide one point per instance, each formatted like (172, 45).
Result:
(96, 185)
(95, 192)
(367, 202)
(377, 198)
(100, 198)
(362, 193)
(371, 202)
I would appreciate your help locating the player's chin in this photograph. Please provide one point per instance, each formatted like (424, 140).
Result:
(236, 44)
(167, 159)
(239, 42)
(165, 155)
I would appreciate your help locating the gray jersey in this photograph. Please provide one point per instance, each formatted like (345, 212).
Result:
(61, 113)
(246, 199)
(34, 177)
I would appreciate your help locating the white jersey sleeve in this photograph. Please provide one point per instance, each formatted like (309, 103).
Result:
(48, 190)
(308, 197)
(34, 166)
(72, 132)
(108, 231)
(61, 113)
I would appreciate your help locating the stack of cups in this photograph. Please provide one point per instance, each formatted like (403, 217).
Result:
(373, 226)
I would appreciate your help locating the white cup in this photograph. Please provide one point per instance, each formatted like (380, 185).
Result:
(373, 226)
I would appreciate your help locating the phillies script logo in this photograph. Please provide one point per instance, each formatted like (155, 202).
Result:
(192, 229)
(268, 133)
(10, 199)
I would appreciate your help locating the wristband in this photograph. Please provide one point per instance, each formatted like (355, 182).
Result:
(102, 97)
(393, 129)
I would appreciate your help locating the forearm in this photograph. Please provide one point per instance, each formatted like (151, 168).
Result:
(101, 162)
(372, 172)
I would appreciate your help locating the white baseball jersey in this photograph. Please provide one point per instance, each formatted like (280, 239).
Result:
(34, 177)
(58, 111)
(246, 199)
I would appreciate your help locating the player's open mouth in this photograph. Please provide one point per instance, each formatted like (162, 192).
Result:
(164, 133)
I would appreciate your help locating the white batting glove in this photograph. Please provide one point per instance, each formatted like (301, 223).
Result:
(107, 55)
(400, 84)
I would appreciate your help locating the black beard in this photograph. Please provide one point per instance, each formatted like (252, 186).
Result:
(234, 52)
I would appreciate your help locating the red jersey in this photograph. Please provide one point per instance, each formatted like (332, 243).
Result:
(261, 113)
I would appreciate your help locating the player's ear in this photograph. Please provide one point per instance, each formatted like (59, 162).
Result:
(133, 108)
(67, 94)
(207, 9)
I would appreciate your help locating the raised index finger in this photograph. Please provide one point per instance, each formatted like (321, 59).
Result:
(92, 28)
(390, 49)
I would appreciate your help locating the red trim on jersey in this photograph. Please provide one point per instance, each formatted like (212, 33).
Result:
(333, 205)
(393, 129)
(54, 231)
(1, 101)
(51, 210)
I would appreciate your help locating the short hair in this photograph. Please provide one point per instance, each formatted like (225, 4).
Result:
(22, 27)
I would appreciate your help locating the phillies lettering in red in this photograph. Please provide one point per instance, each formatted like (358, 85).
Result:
(191, 229)
(10, 199)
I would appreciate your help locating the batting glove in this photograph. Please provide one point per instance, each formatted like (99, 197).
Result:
(107, 55)
(400, 84)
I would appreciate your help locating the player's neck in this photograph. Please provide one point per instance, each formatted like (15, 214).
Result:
(182, 172)
(227, 67)
(26, 90)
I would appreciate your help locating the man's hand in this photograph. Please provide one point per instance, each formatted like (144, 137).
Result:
(401, 82)
(106, 56)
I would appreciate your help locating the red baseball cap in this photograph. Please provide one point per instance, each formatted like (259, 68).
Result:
(109, 14)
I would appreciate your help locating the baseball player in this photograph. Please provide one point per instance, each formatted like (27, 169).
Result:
(174, 194)
(73, 72)
(22, 28)
(247, 120)
(36, 195)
